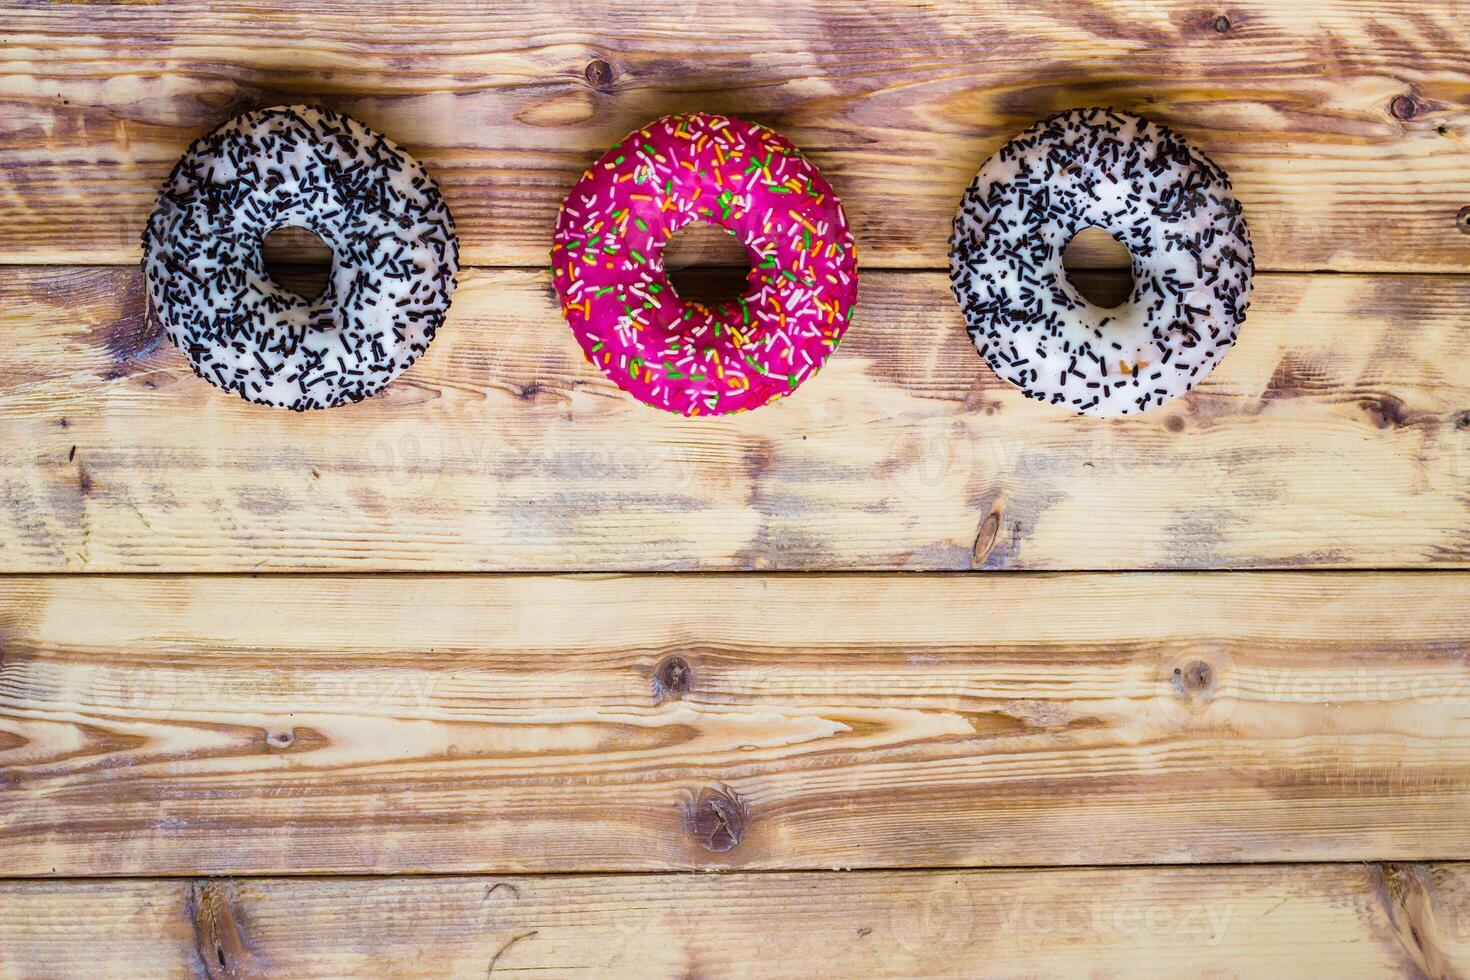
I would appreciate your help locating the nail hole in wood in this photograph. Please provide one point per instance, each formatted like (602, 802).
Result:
(1221, 24)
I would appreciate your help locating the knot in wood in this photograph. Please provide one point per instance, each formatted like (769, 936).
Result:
(671, 678)
(716, 819)
(599, 74)
(1194, 679)
(985, 537)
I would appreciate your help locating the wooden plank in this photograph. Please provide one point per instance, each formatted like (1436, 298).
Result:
(1298, 920)
(1343, 123)
(1336, 433)
(162, 725)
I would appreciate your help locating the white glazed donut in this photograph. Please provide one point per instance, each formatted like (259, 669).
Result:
(394, 253)
(1164, 200)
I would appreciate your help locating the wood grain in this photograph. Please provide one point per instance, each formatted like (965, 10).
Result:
(1345, 124)
(162, 725)
(1335, 434)
(1297, 920)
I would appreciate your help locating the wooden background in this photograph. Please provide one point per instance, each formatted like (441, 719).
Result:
(398, 689)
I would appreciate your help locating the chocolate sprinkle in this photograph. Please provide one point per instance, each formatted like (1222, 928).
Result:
(393, 245)
(1164, 200)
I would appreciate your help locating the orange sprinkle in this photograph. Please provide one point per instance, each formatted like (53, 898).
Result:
(809, 226)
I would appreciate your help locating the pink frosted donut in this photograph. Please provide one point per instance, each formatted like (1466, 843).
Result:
(607, 264)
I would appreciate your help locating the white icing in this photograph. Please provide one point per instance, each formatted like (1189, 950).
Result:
(395, 256)
(1172, 208)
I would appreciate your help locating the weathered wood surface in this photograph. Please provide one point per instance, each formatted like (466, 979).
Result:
(1336, 433)
(198, 724)
(1298, 921)
(1344, 124)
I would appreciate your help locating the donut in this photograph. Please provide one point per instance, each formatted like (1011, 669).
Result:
(688, 358)
(394, 258)
(1163, 199)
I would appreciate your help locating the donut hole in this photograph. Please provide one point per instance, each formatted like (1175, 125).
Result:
(1099, 268)
(706, 264)
(297, 260)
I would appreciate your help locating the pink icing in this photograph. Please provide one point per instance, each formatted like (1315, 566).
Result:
(607, 264)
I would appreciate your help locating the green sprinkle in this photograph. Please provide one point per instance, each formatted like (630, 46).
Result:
(598, 346)
(637, 256)
(602, 292)
(642, 226)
